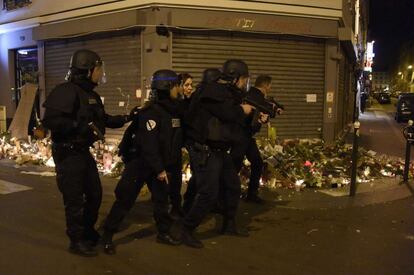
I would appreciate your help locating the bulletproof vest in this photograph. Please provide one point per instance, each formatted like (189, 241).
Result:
(171, 136)
(219, 133)
(92, 110)
(236, 93)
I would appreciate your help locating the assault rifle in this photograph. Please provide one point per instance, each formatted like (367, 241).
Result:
(268, 106)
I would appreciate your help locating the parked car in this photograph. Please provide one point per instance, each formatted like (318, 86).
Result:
(384, 98)
(375, 94)
(405, 105)
(395, 93)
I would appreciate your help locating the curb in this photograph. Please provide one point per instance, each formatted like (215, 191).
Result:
(376, 192)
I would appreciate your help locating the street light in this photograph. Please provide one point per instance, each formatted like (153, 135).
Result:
(410, 67)
(399, 73)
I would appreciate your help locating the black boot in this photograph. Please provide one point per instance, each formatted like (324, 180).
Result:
(254, 198)
(92, 237)
(81, 248)
(230, 228)
(189, 240)
(177, 212)
(109, 247)
(166, 238)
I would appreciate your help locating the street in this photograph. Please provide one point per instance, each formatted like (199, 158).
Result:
(380, 132)
(341, 238)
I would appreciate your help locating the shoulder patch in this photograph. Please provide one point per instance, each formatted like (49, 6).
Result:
(150, 124)
(176, 123)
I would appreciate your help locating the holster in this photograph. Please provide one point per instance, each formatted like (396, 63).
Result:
(204, 153)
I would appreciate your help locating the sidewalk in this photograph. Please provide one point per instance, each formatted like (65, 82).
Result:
(375, 192)
(378, 191)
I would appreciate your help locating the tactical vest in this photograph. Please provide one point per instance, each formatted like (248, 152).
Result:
(92, 110)
(171, 137)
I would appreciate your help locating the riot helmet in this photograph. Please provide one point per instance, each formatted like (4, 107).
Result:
(234, 69)
(211, 75)
(237, 73)
(162, 82)
(85, 60)
(82, 64)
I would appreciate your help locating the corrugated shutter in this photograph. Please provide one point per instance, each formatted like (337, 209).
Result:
(296, 66)
(122, 57)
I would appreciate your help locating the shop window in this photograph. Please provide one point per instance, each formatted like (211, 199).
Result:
(26, 70)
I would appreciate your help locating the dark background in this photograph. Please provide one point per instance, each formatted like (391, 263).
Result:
(391, 26)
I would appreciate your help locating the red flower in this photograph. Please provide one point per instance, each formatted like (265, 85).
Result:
(308, 163)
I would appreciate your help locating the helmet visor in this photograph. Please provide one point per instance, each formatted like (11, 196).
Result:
(100, 65)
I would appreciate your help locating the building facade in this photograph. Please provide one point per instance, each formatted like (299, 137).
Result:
(380, 81)
(310, 50)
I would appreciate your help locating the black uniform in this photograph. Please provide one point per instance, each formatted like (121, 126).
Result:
(70, 108)
(214, 125)
(187, 114)
(248, 146)
(157, 147)
(210, 75)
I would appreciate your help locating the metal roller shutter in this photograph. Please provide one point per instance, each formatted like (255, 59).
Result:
(296, 66)
(122, 57)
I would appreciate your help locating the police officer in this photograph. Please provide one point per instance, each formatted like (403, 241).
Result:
(76, 117)
(215, 120)
(155, 158)
(210, 75)
(258, 92)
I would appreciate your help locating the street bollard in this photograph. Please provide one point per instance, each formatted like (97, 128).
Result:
(352, 189)
(408, 133)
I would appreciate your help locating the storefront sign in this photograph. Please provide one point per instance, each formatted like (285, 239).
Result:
(311, 98)
(224, 20)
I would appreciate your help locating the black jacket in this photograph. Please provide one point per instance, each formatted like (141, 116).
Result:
(254, 127)
(215, 101)
(70, 107)
(159, 136)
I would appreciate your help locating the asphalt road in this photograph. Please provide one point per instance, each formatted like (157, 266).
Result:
(380, 132)
(375, 239)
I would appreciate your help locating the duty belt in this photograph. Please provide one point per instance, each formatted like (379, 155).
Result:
(203, 147)
(70, 145)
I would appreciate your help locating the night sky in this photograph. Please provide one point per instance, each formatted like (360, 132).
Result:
(391, 25)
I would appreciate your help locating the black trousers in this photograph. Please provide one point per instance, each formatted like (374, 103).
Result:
(78, 180)
(135, 174)
(175, 181)
(256, 166)
(252, 153)
(190, 193)
(211, 174)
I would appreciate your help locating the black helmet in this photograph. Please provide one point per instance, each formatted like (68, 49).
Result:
(235, 68)
(211, 75)
(85, 60)
(164, 80)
